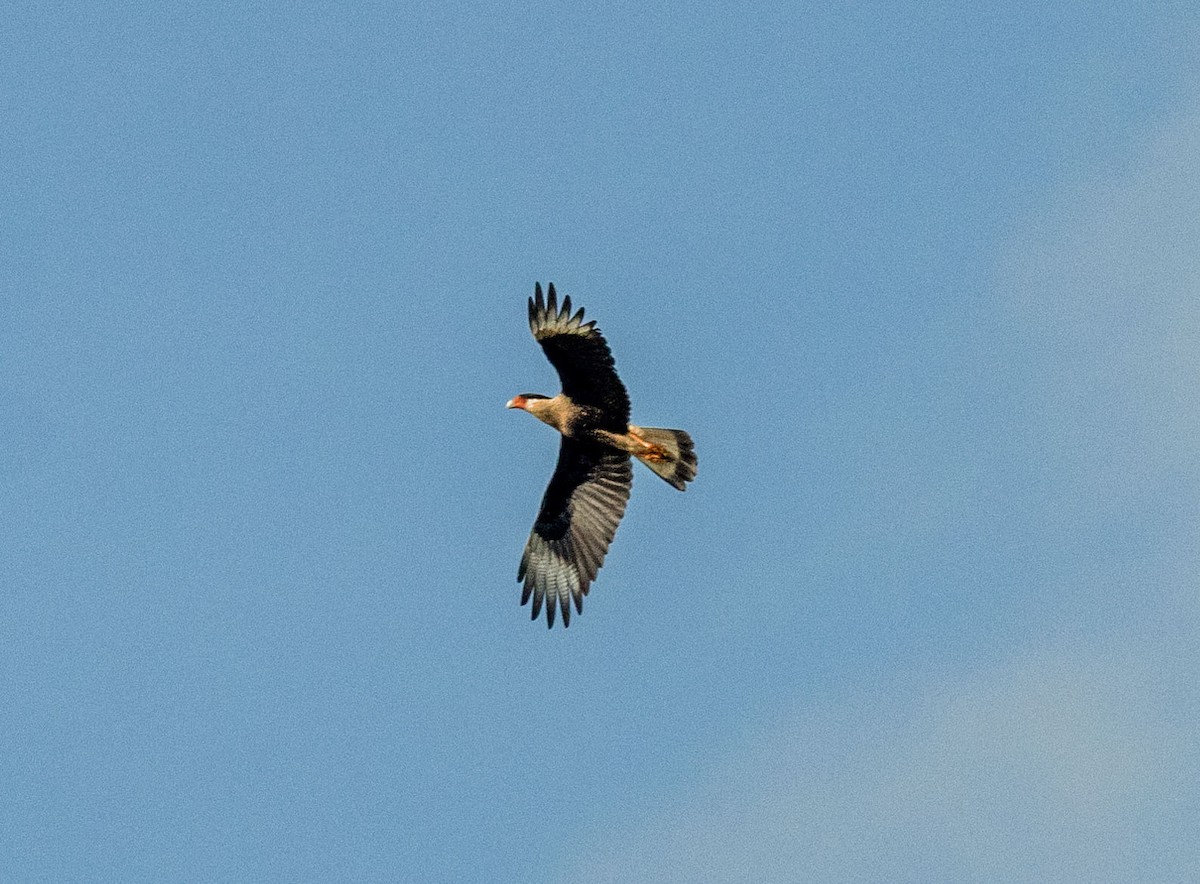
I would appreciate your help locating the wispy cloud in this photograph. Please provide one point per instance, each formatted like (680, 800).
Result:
(1107, 287)
(1062, 766)
(1077, 757)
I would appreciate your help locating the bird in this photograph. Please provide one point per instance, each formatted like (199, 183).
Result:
(590, 486)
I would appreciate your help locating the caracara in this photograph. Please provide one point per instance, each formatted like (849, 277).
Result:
(590, 486)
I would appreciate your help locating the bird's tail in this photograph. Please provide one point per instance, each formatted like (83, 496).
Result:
(670, 453)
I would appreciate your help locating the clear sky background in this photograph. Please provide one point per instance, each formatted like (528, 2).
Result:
(922, 280)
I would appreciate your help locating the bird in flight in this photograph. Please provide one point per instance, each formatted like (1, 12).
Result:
(589, 489)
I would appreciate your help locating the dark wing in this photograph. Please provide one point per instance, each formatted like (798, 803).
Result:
(581, 356)
(580, 512)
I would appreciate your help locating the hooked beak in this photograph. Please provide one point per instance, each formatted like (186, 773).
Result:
(515, 402)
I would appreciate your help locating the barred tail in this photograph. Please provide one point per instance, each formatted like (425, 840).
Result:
(670, 453)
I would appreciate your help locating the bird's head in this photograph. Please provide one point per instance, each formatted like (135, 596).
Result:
(524, 400)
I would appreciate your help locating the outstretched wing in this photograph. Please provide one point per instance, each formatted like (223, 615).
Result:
(581, 356)
(580, 512)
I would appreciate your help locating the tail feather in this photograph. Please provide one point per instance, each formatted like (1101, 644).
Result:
(671, 454)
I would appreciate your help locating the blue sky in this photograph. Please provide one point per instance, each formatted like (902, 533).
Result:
(920, 280)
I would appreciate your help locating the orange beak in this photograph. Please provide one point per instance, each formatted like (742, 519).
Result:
(516, 402)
